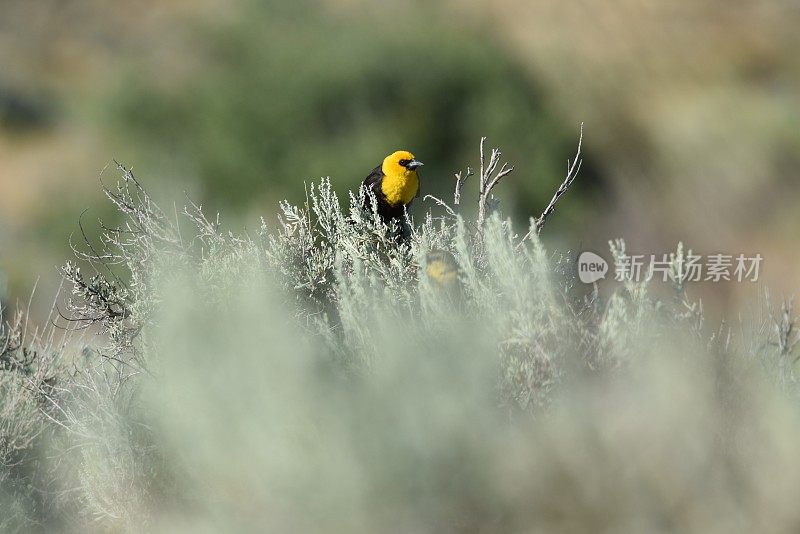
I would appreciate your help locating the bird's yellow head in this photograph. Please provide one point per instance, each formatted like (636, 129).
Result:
(400, 183)
(400, 163)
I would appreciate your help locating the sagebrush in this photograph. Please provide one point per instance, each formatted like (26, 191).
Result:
(313, 377)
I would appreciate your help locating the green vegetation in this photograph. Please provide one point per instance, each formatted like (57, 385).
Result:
(240, 102)
(310, 377)
(287, 93)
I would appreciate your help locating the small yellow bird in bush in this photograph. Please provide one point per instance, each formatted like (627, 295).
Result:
(442, 269)
(395, 184)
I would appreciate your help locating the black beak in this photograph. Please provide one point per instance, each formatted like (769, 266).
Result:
(413, 164)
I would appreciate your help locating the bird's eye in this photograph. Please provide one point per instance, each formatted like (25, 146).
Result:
(404, 162)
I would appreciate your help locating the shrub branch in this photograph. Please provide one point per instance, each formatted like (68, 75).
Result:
(572, 172)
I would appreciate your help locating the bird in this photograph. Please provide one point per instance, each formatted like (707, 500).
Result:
(441, 268)
(395, 184)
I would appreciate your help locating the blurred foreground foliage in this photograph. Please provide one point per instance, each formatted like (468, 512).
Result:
(313, 377)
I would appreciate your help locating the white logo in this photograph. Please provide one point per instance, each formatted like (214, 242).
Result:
(591, 267)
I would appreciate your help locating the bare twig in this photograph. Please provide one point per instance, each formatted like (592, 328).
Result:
(443, 204)
(461, 178)
(572, 173)
(488, 180)
(573, 168)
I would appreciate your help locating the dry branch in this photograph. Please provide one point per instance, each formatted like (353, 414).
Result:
(572, 172)
(488, 181)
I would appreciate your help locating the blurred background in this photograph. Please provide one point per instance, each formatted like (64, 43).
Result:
(691, 112)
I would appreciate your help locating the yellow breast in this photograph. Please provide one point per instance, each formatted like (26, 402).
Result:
(400, 188)
(443, 274)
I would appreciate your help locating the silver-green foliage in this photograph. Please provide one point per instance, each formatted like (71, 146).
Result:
(314, 377)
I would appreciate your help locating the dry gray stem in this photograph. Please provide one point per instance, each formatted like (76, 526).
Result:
(461, 178)
(488, 181)
(572, 172)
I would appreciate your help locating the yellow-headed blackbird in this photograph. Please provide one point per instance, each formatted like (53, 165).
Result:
(442, 269)
(395, 184)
